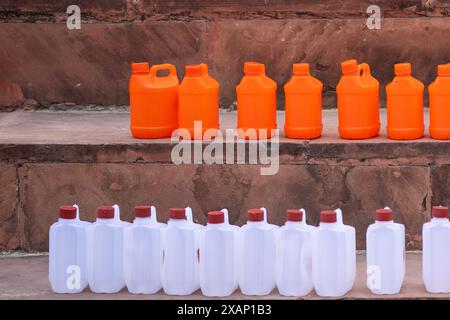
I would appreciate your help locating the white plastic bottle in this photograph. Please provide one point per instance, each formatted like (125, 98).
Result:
(143, 252)
(256, 255)
(67, 252)
(385, 254)
(218, 256)
(294, 255)
(105, 253)
(436, 251)
(180, 269)
(334, 255)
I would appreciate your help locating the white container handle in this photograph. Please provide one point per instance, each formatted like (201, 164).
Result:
(387, 208)
(265, 214)
(225, 214)
(116, 213)
(153, 214)
(339, 216)
(303, 211)
(189, 218)
(77, 218)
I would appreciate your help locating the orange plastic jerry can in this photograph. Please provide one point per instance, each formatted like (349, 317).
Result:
(439, 92)
(256, 103)
(198, 107)
(404, 101)
(358, 101)
(153, 101)
(303, 96)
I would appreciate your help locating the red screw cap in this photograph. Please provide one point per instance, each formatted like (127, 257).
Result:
(294, 215)
(67, 212)
(105, 212)
(177, 213)
(328, 216)
(142, 211)
(140, 67)
(215, 217)
(255, 215)
(383, 215)
(439, 212)
(193, 70)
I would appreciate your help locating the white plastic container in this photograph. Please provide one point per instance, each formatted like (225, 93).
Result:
(180, 269)
(294, 255)
(105, 253)
(436, 251)
(385, 254)
(256, 260)
(67, 252)
(334, 255)
(143, 252)
(218, 256)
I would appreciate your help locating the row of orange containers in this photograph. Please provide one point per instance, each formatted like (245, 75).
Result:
(159, 104)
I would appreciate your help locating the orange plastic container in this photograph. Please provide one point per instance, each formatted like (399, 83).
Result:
(256, 103)
(439, 92)
(303, 95)
(153, 101)
(198, 101)
(358, 101)
(404, 99)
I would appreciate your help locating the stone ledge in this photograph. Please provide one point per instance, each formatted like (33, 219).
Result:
(96, 137)
(27, 278)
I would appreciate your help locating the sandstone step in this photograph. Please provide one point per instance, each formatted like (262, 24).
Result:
(52, 158)
(27, 278)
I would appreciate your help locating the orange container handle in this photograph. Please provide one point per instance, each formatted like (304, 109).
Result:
(166, 66)
(365, 68)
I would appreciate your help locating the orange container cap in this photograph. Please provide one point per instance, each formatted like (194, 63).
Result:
(300, 69)
(140, 67)
(349, 66)
(402, 69)
(444, 70)
(253, 68)
(194, 70)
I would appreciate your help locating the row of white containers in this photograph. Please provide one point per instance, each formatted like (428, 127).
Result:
(182, 256)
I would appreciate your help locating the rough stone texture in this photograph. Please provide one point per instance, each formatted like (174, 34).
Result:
(186, 10)
(441, 185)
(10, 227)
(91, 66)
(11, 96)
(44, 187)
(27, 278)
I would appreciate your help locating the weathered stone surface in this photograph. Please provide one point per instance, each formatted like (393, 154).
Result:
(132, 10)
(92, 65)
(11, 96)
(441, 185)
(9, 216)
(46, 186)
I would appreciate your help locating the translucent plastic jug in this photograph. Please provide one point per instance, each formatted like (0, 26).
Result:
(180, 270)
(385, 254)
(256, 103)
(198, 101)
(404, 101)
(436, 252)
(67, 252)
(153, 101)
(105, 253)
(334, 255)
(294, 255)
(143, 252)
(439, 92)
(218, 256)
(358, 101)
(257, 255)
(303, 94)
